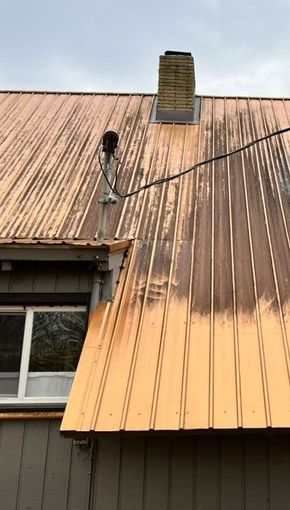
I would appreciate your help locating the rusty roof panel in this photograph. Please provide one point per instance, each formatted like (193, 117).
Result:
(198, 335)
(112, 245)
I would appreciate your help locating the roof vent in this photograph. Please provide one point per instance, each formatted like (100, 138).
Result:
(176, 87)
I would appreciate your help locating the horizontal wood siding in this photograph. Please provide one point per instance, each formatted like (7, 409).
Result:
(41, 470)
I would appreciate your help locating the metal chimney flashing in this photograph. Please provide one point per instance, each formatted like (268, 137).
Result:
(173, 115)
(176, 116)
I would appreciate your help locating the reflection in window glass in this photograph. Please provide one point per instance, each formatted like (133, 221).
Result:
(57, 339)
(11, 339)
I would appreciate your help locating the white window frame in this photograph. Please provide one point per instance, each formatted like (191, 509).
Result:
(25, 354)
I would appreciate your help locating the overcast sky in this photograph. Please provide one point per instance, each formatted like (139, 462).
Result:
(108, 45)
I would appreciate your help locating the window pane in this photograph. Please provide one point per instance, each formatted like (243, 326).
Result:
(11, 339)
(49, 384)
(57, 339)
(56, 344)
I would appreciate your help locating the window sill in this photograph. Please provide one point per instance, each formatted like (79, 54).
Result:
(38, 401)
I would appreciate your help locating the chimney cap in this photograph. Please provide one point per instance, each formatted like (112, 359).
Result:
(178, 53)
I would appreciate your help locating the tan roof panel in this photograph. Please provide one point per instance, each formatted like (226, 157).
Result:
(198, 335)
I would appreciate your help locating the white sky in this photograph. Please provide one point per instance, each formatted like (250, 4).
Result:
(108, 45)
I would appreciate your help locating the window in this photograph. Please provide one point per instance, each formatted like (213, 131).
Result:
(39, 352)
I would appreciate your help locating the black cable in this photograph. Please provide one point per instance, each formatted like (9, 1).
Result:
(190, 169)
(111, 186)
(117, 172)
(103, 171)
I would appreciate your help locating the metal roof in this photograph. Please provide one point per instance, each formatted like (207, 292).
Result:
(109, 245)
(198, 335)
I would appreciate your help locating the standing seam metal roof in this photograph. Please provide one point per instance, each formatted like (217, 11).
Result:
(198, 335)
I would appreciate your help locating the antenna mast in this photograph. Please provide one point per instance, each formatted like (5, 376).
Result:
(110, 142)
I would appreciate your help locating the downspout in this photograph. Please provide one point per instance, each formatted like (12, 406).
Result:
(95, 292)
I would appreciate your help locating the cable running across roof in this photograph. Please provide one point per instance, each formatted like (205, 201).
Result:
(163, 180)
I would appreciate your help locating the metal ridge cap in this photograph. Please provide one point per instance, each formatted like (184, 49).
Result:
(147, 94)
(217, 96)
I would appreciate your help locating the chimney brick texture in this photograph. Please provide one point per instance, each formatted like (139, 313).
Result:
(176, 84)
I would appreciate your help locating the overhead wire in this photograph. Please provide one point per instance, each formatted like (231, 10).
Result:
(171, 177)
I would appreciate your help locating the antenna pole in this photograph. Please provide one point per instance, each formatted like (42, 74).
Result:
(105, 200)
(110, 142)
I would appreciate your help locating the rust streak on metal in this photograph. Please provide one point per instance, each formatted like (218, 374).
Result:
(233, 274)
(188, 338)
(257, 308)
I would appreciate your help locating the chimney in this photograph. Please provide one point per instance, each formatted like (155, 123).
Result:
(176, 87)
